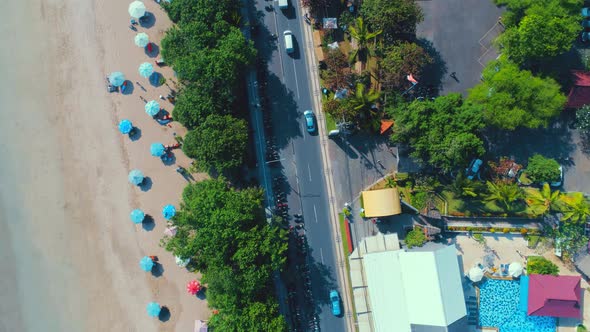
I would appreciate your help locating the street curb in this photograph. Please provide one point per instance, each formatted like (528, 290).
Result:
(317, 103)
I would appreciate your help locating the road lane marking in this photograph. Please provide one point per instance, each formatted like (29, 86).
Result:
(322, 256)
(309, 171)
(315, 212)
(296, 81)
(303, 129)
(279, 50)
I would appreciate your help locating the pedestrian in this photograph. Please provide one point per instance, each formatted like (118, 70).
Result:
(454, 75)
(162, 97)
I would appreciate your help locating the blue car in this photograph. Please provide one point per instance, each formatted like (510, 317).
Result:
(309, 121)
(335, 300)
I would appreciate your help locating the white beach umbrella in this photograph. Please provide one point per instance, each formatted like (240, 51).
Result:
(475, 274)
(182, 262)
(142, 39)
(136, 9)
(515, 269)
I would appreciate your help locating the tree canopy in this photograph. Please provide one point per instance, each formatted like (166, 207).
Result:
(225, 233)
(541, 169)
(194, 105)
(517, 9)
(399, 61)
(208, 11)
(219, 143)
(443, 133)
(396, 18)
(511, 98)
(539, 37)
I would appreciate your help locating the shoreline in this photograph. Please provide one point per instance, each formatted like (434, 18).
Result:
(64, 173)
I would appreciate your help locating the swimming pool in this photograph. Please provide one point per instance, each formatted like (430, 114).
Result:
(499, 306)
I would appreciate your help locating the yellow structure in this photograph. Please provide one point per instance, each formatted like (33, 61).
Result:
(381, 203)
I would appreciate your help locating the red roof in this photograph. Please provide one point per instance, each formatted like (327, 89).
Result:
(385, 125)
(555, 296)
(580, 93)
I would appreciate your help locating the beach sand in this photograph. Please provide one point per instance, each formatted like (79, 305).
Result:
(70, 253)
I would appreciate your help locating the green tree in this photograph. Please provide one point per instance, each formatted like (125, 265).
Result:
(415, 238)
(517, 9)
(463, 187)
(570, 237)
(539, 37)
(218, 144)
(443, 133)
(539, 99)
(194, 105)
(503, 194)
(397, 18)
(209, 11)
(400, 60)
(543, 201)
(583, 119)
(361, 34)
(362, 101)
(576, 208)
(541, 169)
(541, 265)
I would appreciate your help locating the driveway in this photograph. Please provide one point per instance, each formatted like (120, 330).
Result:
(459, 34)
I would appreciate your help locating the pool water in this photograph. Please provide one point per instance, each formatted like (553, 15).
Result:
(499, 306)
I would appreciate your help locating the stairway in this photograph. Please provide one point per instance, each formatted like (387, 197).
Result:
(472, 311)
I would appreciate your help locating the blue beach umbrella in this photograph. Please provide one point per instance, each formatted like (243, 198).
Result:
(152, 108)
(153, 309)
(146, 69)
(125, 126)
(168, 211)
(146, 264)
(157, 149)
(117, 78)
(142, 39)
(137, 216)
(136, 177)
(136, 9)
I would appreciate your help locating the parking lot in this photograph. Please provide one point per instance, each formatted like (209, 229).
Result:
(458, 33)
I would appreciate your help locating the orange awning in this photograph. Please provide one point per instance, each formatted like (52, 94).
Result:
(386, 125)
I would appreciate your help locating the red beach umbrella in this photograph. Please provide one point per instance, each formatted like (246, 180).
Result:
(193, 287)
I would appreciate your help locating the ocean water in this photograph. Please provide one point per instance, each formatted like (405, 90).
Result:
(35, 282)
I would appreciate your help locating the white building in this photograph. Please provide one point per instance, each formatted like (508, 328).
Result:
(407, 290)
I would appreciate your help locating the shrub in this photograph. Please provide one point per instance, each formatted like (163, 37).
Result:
(415, 238)
(479, 238)
(581, 328)
(506, 230)
(541, 169)
(492, 230)
(523, 231)
(541, 265)
(419, 200)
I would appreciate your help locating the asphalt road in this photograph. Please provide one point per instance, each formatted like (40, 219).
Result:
(290, 95)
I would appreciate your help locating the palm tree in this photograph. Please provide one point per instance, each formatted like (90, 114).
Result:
(362, 101)
(390, 182)
(463, 187)
(360, 33)
(504, 194)
(576, 207)
(544, 200)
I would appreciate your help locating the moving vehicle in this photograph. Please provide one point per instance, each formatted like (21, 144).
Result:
(309, 121)
(283, 4)
(288, 41)
(335, 301)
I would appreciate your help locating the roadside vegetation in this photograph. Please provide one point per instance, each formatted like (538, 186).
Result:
(210, 55)
(221, 229)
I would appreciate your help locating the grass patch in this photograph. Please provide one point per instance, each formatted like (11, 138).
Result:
(330, 122)
(533, 240)
(466, 208)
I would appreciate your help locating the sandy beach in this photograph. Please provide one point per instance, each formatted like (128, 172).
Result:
(70, 253)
